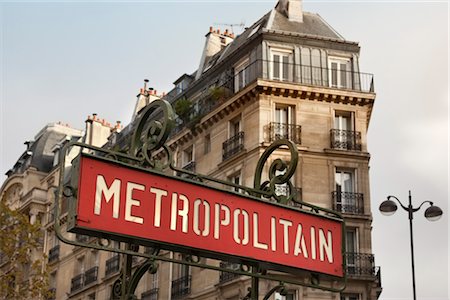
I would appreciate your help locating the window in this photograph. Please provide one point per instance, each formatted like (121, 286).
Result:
(235, 126)
(282, 67)
(289, 296)
(91, 296)
(343, 136)
(343, 120)
(339, 72)
(351, 249)
(188, 155)
(284, 116)
(344, 180)
(207, 144)
(241, 76)
(350, 297)
(236, 179)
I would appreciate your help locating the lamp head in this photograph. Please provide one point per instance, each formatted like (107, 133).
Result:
(433, 213)
(388, 207)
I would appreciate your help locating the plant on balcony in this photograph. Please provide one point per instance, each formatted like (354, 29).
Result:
(219, 93)
(21, 275)
(183, 108)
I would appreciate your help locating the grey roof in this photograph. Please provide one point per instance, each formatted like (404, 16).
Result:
(312, 25)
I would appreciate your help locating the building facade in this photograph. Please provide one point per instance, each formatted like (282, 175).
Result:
(288, 76)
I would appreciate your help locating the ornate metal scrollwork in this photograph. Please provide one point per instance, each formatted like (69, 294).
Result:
(150, 135)
(280, 172)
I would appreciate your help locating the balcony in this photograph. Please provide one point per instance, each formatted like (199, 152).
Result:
(190, 166)
(350, 203)
(53, 254)
(81, 238)
(278, 131)
(77, 283)
(227, 276)
(345, 140)
(360, 265)
(112, 265)
(233, 146)
(181, 286)
(150, 294)
(90, 276)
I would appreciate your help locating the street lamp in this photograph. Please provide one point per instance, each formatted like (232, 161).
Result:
(432, 213)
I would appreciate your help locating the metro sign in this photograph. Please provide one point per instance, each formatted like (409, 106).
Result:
(127, 203)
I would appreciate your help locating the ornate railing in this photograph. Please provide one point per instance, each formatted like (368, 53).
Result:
(81, 238)
(360, 264)
(227, 276)
(233, 145)
(181, 286)
(278, 131)
(77, 283)
(345, 139)
(150, 294)
(190, 166)
(112, 265)
(90, 275)
(53, 254)
(346, 202)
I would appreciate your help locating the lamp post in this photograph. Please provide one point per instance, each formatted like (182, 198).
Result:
(432, 213)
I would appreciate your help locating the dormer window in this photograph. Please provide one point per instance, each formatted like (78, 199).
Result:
(281, 65)
(340, 72)
(241, 75)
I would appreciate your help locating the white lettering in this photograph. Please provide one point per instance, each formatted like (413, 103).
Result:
(159, 193)
(236, 226)
(286, 224)
(256, 242)
(326, 245)
(313, 243)
(102, 189)
(300, 242)
(217, 221)
(197, 203)
(273, 236)
(183, 213)
(132, 202)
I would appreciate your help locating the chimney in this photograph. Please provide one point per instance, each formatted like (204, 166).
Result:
(292, 9)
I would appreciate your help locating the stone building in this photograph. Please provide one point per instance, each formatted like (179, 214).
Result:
(289, 75)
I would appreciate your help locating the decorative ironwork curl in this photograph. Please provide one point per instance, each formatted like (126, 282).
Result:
(286, 171)
(151, 135)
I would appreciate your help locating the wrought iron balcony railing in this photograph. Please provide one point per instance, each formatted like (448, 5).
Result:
(77, 283)
(227, 276)
(81, 238)
(346, 202)
(53, 254)
(278, 131)
(360, 265)
(233, 145)
(181, 286)
(230, 84)
(90, 275)
(150, 294)
(112, 265)
(345, 139)
(190, 166)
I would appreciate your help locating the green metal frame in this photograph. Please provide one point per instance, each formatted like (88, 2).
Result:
(150, 136)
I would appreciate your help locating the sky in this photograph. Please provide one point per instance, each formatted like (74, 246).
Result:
(62, 61)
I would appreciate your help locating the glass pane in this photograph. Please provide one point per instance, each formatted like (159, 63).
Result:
(285, 67)
(334, 75)
(343, 75)
(276, 66)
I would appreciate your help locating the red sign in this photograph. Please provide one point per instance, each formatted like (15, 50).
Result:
(124, 201)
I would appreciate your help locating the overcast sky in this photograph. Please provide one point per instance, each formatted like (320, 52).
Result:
(63, 61)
